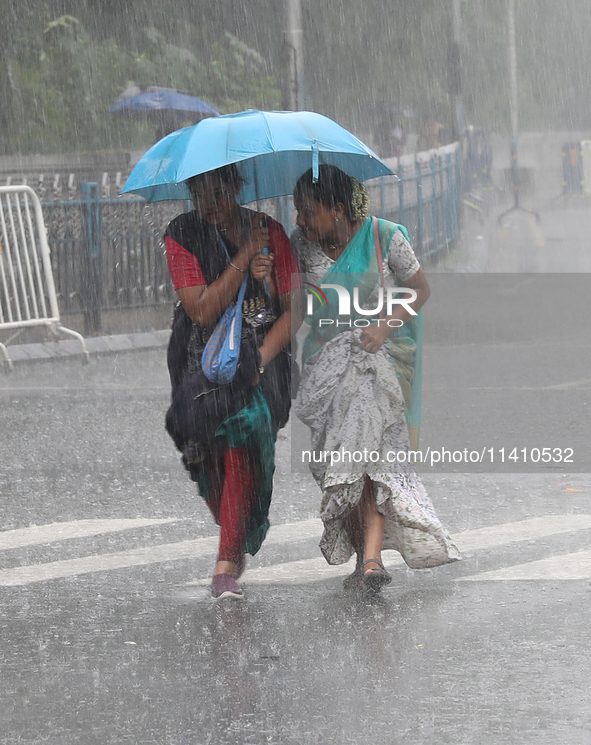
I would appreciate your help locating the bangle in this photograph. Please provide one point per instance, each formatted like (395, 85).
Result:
(239, 269)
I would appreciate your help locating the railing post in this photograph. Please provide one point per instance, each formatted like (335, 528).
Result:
(442, 205)
(434, 207)
(91, 270)
(442, 216)
(419, 175)
(459, 190)
(452, 197)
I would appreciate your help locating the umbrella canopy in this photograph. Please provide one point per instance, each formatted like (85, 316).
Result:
(156, 100)
(271, 149)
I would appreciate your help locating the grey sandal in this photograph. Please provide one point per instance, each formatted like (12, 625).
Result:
(376, 578)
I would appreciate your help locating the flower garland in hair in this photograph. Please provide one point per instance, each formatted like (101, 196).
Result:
(359, 200)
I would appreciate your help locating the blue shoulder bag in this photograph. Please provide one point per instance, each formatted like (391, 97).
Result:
(222, 351)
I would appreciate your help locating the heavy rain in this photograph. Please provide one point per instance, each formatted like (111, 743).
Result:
(222, 524)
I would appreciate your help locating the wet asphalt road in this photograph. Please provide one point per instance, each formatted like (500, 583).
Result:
(123, 645)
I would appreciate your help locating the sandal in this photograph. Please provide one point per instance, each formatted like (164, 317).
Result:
(376, 578)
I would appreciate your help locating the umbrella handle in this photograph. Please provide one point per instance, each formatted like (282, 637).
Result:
(264, 223)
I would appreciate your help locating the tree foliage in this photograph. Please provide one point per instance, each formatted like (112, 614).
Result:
(63, 62)
(62, 81)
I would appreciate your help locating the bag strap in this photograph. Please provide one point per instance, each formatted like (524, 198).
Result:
(242, 293)
(380, 258)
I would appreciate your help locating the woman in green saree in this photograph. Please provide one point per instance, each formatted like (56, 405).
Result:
(361, 382)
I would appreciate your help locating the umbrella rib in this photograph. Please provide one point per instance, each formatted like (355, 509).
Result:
(269, 132)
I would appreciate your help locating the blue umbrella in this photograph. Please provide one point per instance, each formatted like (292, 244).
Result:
(163, 99)
(271, 149)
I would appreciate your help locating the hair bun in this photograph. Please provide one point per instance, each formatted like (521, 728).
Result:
(359, 200)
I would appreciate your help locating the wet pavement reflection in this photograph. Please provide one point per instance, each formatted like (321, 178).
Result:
(427, 661)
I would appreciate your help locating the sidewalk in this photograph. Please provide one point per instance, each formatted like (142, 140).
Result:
(113, 344)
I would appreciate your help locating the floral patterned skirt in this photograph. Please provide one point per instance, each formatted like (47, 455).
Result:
(352, 402)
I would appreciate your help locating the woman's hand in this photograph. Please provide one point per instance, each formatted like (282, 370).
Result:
(206, 303)
(292, 305)
(372, 337)
(257, 237)
(261, 266)
(263, 358)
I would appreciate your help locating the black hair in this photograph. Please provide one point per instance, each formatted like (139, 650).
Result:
(333, 186)
(228, 175)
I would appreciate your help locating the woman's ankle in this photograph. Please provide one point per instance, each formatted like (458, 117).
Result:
(226, 567)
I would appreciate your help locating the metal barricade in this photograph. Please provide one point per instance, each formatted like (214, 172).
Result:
(27, 290)
(108, 254)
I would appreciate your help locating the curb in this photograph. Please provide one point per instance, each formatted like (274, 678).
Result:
(51, 350)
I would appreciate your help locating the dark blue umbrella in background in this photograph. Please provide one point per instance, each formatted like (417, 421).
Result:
(166, 107)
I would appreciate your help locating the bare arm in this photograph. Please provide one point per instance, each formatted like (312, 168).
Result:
(417, 282)
(285, 326)
(374, 336)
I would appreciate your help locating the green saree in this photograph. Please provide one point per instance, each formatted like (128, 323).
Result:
(357, 267)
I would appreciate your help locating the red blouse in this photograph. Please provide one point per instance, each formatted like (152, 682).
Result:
(186, 271)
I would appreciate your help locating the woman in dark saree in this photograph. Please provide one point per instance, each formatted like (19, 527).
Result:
(227, 433)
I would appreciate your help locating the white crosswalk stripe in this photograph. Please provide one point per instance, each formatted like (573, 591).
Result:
(565, 566)
(120, 560)
(200, 547)
(39, 534)
(572, 566)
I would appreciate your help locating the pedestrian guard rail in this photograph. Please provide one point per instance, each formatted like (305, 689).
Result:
(27, 290)
(424, 195)
(108, 254)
